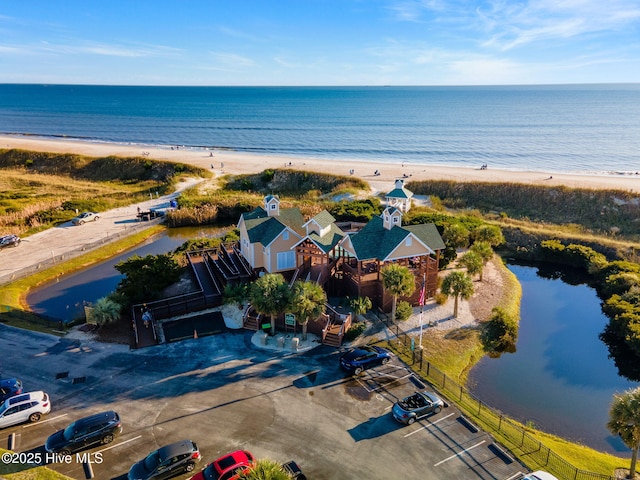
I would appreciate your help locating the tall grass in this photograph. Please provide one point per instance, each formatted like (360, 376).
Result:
(39, 190)
(609, 212)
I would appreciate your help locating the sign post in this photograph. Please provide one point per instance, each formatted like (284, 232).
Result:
(290, 321)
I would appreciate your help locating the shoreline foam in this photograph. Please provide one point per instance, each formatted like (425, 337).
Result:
(226, 161)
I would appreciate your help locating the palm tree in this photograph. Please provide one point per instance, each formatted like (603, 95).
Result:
(269, 295)
(265, 469)
(484, 250)
(399, 281)
(472, 261)
(106, 311)
(360, 305)
(457, 285)
(624, 420)
(308, 301)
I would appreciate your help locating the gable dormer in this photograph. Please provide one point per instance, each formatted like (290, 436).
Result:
(272, 205)
(391, 217)
(320, 224)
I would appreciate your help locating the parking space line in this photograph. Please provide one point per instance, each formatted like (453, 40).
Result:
(517, 475)
(427, 426)
(118, 444)
(372, 379)
(44, 421)
(459, 453)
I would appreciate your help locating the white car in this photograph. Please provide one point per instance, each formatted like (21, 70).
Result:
(539, 475)
(84, 218)
(26, 407)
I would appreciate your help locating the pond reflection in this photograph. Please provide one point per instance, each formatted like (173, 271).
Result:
(64, 297)
(561, 377)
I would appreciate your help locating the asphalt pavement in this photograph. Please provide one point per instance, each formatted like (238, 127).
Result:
(226, 393)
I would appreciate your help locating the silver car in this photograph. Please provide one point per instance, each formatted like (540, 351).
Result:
(84, 218)
(416, 406)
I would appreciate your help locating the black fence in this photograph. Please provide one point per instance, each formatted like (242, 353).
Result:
(511, 435)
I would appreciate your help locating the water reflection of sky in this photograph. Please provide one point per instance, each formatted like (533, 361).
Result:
(64, 298)
(560, 377)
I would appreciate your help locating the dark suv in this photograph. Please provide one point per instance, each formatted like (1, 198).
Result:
(99, 428)
(9, 241)
(167, 462)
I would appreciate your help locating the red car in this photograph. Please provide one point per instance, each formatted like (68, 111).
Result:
(227, 467)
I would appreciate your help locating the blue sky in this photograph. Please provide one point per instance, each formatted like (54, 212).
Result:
(319, 42)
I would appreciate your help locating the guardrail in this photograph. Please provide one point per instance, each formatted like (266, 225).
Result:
(515, 438)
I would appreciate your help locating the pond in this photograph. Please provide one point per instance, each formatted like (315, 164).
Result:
(64, 297)
(560, 378)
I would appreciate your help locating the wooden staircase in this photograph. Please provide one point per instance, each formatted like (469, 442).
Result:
(333, 336)
(251, 319)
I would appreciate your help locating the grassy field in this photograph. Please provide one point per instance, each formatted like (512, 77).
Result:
(41, 190)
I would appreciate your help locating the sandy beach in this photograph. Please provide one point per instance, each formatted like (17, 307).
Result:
(230, 162)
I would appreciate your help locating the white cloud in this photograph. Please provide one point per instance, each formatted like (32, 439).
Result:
(232, 60)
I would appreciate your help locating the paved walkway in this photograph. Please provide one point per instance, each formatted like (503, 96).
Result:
(59, 244)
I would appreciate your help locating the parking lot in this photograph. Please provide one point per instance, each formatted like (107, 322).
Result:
(224, 393)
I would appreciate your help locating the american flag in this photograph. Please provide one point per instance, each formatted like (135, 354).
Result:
(421, 299)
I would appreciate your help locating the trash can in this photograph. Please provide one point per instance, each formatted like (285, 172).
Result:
(295, 343)
(264, 336)
(280, 341)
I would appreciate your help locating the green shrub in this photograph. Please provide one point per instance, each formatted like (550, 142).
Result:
(355, 331)
(403, 311)
(500, 333)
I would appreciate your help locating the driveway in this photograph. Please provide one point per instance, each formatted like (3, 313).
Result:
(225, 393)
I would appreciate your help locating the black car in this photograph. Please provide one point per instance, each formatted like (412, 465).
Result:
(360, 358)
(9, 241)
(167, 462)
(100, 428)
(294, 470)
(416, 406)
(9, 387)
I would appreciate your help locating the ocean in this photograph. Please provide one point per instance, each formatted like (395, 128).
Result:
(592, 129)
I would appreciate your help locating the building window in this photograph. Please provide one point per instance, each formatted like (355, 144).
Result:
(395, 219)
(273, 206)
(286, 260)
(285, 235)
(408, 241)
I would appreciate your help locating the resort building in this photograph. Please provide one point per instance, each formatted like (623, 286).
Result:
(344, 258)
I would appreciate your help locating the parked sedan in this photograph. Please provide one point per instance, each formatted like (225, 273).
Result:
(166, 462)
(358, 359)
(227, 467)
(9, 241)
(84, 218)
(416, 406)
